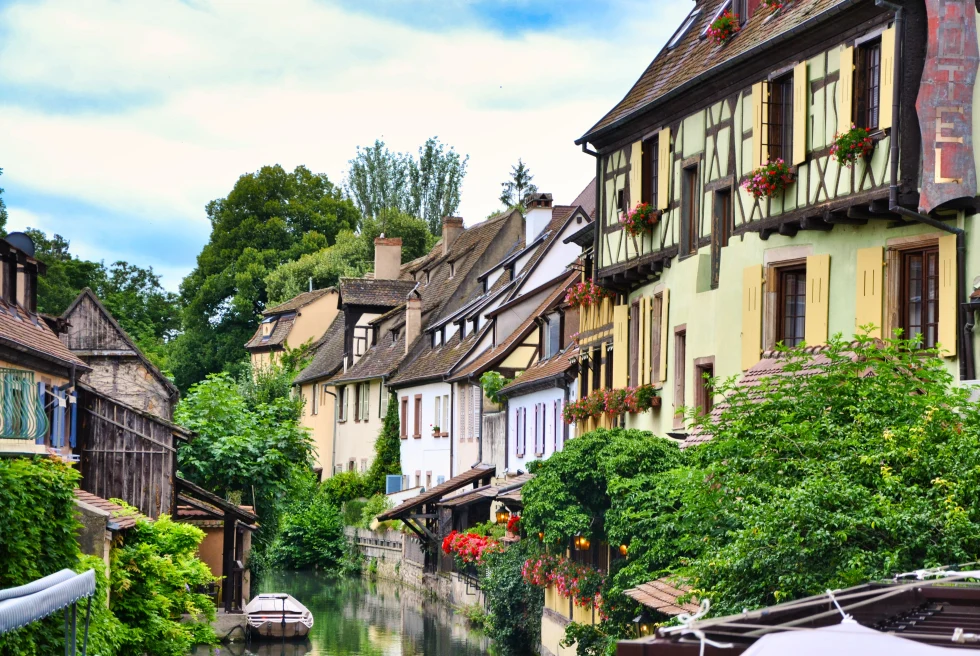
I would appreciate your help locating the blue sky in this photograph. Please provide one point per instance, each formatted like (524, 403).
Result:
(121, 120)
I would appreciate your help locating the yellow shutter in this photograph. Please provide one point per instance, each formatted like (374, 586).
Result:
(663, 335)
(621, 331)
(643, 368)
(845, 89)
(869, 289)
(800, 115)
(664, 169)
(947, 295)
(817, 299)
(751, 315)
(887, 86)
(759, 91)
(636, 174)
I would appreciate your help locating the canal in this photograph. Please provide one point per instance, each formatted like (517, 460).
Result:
(358, 616)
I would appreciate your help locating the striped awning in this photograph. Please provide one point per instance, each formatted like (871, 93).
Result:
(28, 603)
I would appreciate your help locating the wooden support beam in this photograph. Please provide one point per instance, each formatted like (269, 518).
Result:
(841, 218)
(765, 232)
(815, 223)
(789, 229)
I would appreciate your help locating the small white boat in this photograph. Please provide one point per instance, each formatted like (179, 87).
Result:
(277, 615)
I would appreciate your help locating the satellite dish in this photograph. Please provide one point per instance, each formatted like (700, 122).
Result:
(21, 242)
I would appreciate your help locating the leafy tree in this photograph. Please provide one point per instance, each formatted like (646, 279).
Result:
(513, 606)
(383, 182)
(269, 217)
(414, 233)
(66, 276)
(387, 451)
(516, 192)
(311, 535)
(3, 210)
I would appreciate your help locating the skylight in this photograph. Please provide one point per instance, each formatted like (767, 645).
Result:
(679, 34)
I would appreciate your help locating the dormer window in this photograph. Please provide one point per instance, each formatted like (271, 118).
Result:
(436, 338)
(395, 334)
(425, 277)
(679, 34)
(267, 326)
(452, 269)
(725, 6)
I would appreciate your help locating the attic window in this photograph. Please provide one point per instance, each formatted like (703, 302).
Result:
(452, 269)
(267, 327)
(436, 338)
(725, 6)
(425, 277)
(685, 26)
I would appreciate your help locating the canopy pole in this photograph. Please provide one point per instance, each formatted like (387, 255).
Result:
(88, 617)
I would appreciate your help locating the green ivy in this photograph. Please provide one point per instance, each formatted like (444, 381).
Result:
(513, 606)
(492, 382)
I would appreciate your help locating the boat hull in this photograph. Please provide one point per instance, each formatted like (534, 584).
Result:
(277, 630)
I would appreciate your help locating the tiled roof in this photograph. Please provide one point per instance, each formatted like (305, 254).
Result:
(662, 594)
(298, 301)
(328, 353)
(542, 370)
(674, 67)
(278, 335)
(455, 483)
(436, 362)
(124, 517)
(379, 360)
(586, 199)
(24, 331)
(492, 356)
(371, 291)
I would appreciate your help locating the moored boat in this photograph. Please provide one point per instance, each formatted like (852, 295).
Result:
(277, 615)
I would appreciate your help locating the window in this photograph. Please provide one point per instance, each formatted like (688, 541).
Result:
(357, 402)
(518, 433)
(351, 464)
(651, 164)
(418, 417)
(741, 9)
(583, 377)
(554, 336)
(609, 366)
(690, 226)
(383, 401)
(438, 414)
(428, 480)
(363, 465)
(418, 478)
(452, 269)
(680, 355)
(720, 232)
(634, 343)
(537, 431)
(365, 400)
(920, 295)
(778, 127)
(704, 371)
(867, 85)
(791, 305)
(315, 397)
(596, 363)
(656, 323)
(554, 425)
(404, 421)
(342, 393)
(445, 415)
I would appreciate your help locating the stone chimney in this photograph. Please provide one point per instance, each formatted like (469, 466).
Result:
(452, 228)
(413, 318)
(538, 216)
(387, 257)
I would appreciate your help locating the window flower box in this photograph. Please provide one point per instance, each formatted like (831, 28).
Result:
(586, 294)
(640, 219)
(723, 28)
(767, 181)
(854, 143)
(612, 402)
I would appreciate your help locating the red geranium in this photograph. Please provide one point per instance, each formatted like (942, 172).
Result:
(514, 523)
(586, 294)
(768, 180)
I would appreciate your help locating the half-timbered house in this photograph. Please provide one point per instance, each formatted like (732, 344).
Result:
(724, 275)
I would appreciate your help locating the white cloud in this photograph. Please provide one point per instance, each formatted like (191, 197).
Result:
(166, 103)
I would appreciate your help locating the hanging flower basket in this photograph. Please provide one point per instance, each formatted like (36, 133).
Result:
(586, 294)
(854, 143)
(612, 402)
(723, 28)
(766, 181)
(641, 218)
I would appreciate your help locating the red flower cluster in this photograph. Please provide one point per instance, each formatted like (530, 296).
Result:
(770, 179)
(581, 583)
(514, 523)
(723, 28)
(773, 5)
(641, 218)
(848, 146)
(586, 294)
(469, 547)
(612, 402)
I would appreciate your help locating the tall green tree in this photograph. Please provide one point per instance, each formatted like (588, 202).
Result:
(3, 210)
(387, 451)
(516, 191)
(384, 182)
(270, 217)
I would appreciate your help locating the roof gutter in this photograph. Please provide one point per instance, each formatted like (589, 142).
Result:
(734, 62)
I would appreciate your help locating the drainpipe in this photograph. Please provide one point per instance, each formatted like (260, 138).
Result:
(479, 428)
(967, 370)
(452, 424)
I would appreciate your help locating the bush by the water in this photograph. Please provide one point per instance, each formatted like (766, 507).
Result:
(311, 535)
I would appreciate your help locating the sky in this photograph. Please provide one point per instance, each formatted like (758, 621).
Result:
(121, 119)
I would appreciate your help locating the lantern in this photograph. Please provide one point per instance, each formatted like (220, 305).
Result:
(502, 516)
(581, 543)
(624, 550)
(541, 537)
(643, 624)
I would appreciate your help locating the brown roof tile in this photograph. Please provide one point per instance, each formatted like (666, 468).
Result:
(435, 362)
(298, 301)
(280, 332)
(124, 517)
(586, 199)
(379, 360)
(328, 353)
(455, 483)
(371, 291)
(540, 371)
(662, 594)
(24, 331)
(674, 67)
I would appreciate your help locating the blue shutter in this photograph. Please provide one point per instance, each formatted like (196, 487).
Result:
(74, 418)
(40, 396)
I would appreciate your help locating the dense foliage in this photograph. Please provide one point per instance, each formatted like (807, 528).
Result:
(513, 606)
(311, 535)
(107, 634)
(270, 217)
(387, 451)
(155, 579)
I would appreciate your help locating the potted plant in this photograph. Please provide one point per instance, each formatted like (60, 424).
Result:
(773, 5)
(641, 218)
(723, 28)
(435, 431)
(586, 294)
(766, 181)
(854, 143)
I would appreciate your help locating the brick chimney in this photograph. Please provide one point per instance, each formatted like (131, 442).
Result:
(387, 257)
(413, 318)
(538, 216)
(452, 228)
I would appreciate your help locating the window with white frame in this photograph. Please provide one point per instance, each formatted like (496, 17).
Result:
(365, 401)
(316, 399)
(437, 427)
(342, 397)
(518, 433)
(445, 414)
(556, 414)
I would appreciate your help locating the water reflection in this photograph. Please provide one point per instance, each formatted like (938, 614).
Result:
(372, 618)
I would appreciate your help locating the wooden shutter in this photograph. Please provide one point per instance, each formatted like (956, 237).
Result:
(751, 315)
(477, 393)
(759, 91)
(636, 174)
(663, 334)
(800, 115)
(634, 342)
(947, 295)
(845, 89)
(644, 342)
(887, 86)
(817, 299)
(664, 169)
(620, 364)
(869, 289)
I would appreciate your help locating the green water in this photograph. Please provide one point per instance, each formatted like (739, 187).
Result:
(357, 616)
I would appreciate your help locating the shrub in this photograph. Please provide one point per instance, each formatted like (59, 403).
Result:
(343, 487)
(387, 452)
(374, 507)
(492, 382)
(311, 536)
(106, 635)
(513, 607)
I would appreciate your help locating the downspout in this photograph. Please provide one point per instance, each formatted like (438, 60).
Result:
(967, 369)
(452, 424)
(479, 428)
